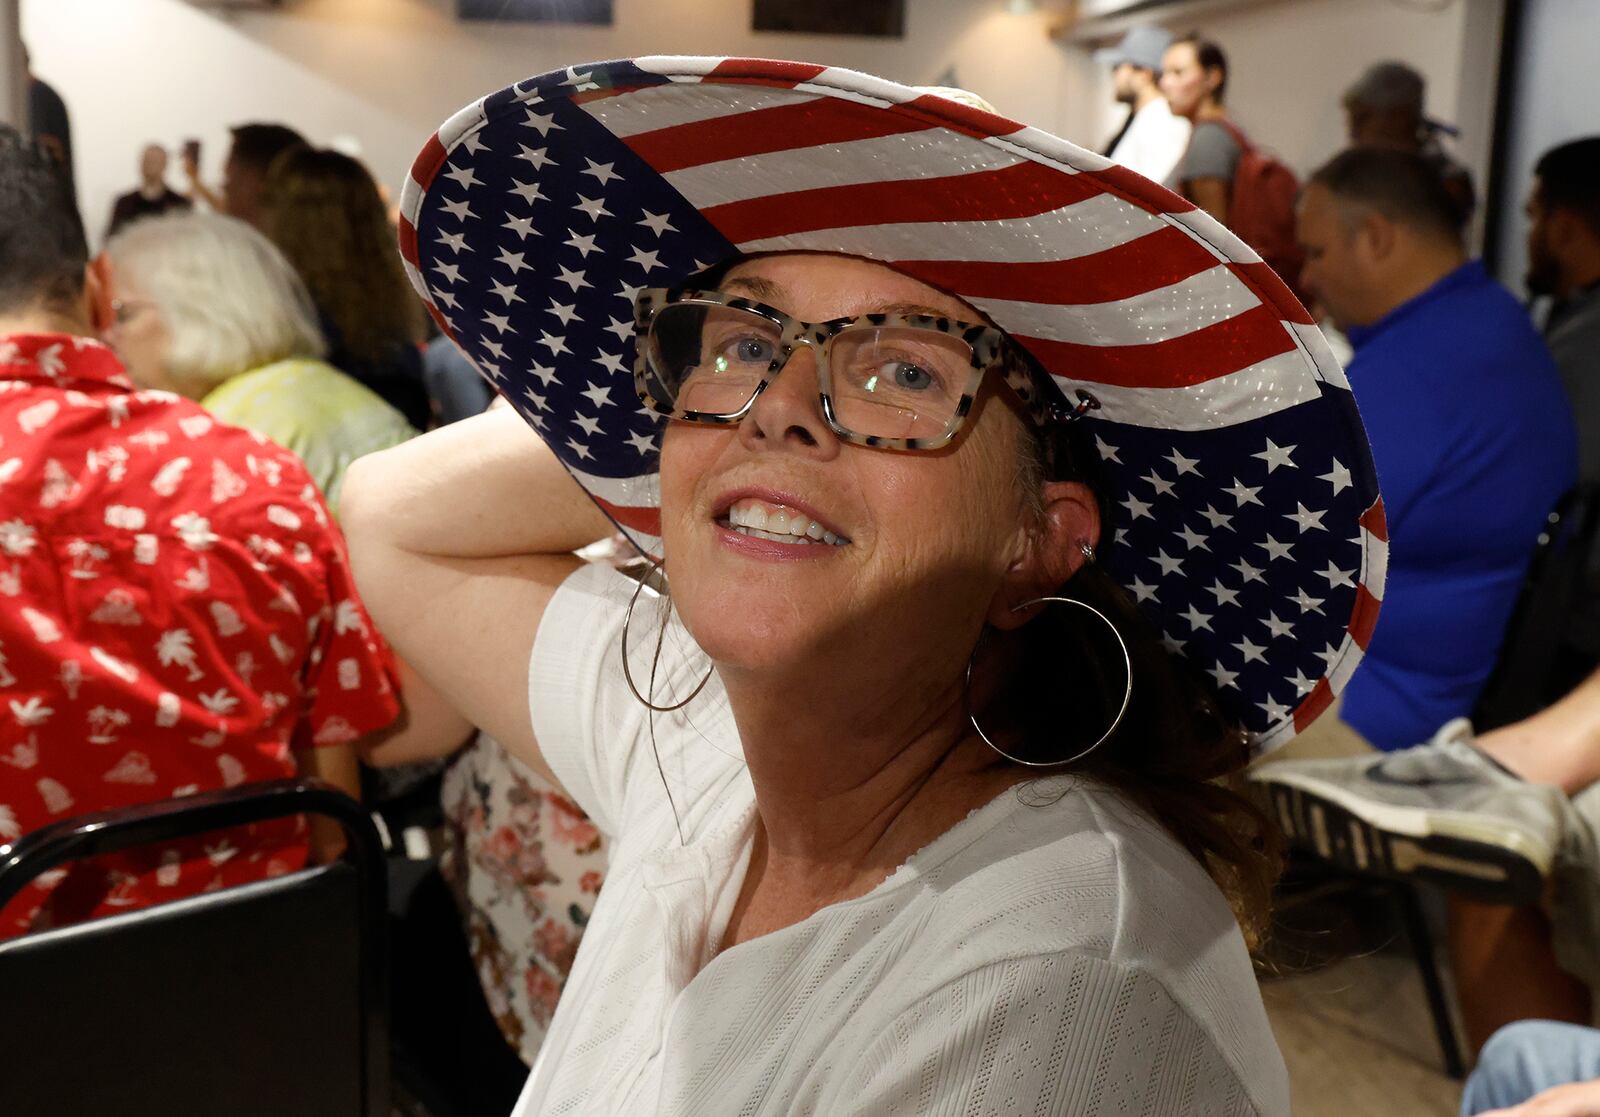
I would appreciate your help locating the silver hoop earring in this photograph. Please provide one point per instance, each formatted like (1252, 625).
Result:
(627, 674)
(1127, 692)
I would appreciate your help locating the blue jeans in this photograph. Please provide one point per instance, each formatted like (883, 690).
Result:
(1523, 1059)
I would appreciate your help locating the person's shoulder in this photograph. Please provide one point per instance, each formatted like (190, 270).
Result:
(1076, 868)
(238, 475)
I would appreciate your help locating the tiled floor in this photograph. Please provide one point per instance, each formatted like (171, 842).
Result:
(1358, 1041)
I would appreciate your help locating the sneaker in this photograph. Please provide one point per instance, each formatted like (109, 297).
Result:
(1443, 813)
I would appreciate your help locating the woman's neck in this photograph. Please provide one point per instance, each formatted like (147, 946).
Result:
(844, 797)
(1209, 110)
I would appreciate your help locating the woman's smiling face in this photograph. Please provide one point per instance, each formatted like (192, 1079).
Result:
(907, 549)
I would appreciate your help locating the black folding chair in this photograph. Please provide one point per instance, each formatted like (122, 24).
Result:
(262, 1000)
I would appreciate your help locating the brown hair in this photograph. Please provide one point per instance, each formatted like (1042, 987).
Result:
(1210, 57)
(1176, 753)
(324, 211)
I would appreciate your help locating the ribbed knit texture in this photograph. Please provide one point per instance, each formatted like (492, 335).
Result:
(1045, 956)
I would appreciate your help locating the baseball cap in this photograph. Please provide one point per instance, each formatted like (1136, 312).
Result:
(1142, 46)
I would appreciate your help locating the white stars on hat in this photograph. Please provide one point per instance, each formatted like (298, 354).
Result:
(458, 210)
(1162, 486)
(649, 261)
(573, 279)
(1275, 455)
(529, 192)
(583, 243)
(463, 176)
(1184, 465)
(1193, 538)
(1276, 550)
(602, 172)
(1337, 577)
(1307, 603)
(1223, 676)
(567, 312)
(1252, 652)
(535, 156)
(594, 207)
(658, 224)
(1277, 627)
(522, 226)
(1337, 476)
(1243, 494)
(1137, 508)
(1168, 564)
(1223, 594)
(512, 260)
(543, 123)
(508, 292)
(1306, 518)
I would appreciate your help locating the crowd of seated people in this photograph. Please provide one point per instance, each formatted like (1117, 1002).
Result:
(179, 611)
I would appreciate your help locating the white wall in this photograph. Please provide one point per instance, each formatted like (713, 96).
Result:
(386, 72)
(1290, 64)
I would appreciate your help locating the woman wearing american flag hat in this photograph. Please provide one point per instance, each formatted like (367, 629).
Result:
(999, 505)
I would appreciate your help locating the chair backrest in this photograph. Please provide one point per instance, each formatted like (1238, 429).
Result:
(258, 1001)
(1530, 671)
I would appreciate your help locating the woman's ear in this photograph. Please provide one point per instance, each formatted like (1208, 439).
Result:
(1071, 523)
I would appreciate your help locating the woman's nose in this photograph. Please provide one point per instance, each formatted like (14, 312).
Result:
(789, 411)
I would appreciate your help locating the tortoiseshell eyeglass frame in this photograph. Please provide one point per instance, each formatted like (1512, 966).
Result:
(991, 352)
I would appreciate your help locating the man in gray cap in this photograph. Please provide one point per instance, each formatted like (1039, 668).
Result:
(1152, 140)
(1384, 108)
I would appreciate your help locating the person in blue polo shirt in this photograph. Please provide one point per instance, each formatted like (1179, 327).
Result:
(1470, 429)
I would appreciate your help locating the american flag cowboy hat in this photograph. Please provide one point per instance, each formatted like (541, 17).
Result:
(1247, 520)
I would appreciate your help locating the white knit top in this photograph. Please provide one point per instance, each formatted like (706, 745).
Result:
(1054, 953)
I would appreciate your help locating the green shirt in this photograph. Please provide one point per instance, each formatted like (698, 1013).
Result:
(326, 418)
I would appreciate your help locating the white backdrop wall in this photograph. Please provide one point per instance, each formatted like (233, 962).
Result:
(383, 73)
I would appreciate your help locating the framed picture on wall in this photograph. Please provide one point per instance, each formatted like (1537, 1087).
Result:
(832, 17)
(536, 11)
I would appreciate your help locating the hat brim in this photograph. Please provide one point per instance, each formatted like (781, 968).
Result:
(1248, 522)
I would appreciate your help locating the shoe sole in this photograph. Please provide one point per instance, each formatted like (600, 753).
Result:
(1458, 852)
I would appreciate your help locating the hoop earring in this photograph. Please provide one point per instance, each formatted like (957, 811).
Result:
(627, 674)
(1127, 692)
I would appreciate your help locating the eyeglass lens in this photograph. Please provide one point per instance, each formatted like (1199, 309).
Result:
(885, 381)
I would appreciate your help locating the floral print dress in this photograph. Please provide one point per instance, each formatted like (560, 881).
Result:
(526, 865)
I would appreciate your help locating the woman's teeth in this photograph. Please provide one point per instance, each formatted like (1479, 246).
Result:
(779, 525)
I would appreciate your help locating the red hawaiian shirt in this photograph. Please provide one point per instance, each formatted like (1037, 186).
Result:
(176, 615)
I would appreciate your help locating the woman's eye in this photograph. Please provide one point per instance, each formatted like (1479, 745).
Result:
(904, 374)
(746, 351)
(753, 349)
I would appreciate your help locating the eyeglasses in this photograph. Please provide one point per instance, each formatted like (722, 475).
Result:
(902, 382)
(124, 310)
